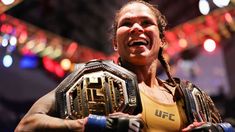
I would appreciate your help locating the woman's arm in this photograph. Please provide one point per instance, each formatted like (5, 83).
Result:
(42, 117)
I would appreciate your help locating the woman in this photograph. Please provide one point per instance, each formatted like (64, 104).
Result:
(138, 38)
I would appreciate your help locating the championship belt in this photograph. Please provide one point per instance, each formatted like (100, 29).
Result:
(98, 87)
(198, 104)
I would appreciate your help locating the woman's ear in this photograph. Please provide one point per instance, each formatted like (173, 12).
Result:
(115, 45)
(163, 43)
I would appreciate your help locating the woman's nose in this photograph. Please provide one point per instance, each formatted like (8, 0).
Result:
(136, 28)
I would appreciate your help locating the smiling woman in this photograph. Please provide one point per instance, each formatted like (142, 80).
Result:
(137, 35)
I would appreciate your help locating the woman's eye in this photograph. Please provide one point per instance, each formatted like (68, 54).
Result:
(146, 23)
(127, 23)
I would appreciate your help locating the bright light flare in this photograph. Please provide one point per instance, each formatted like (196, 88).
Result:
(204, 7)
(5, 39)
(65, 64)
(209, 45)
(7, 61)
(221, 3)
(13, 40)
(7, 2)
(183, 43)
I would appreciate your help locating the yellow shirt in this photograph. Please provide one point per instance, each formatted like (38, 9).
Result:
(160, 117)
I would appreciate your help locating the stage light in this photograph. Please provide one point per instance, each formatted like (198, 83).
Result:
(4, 42)
(228, 17)
(58, 70)
(5, 39)
(39, 47)
(221, 3)
(7, 2)
(48, 64)
(72, 49)
(47, 51)
(7, 61)
(26, 51)
(209, 45)
(65, 64)
(23, 37)
(30, 44)
(204, 7)
(53, 67)
(9, 29)
(29, 62)
(57, 52)
(13, 41)
(3, 28)
(183, 43)
(3, 17)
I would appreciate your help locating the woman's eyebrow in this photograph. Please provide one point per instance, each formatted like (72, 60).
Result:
(126, 19)
(130, 18)
(133, 18)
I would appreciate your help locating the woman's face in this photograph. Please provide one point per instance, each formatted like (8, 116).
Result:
(137, 37)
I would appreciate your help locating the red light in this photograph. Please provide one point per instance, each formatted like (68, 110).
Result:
(3, 28)
(58, 70)
(72, 49)
(9, 29)
(25, 51)
(228, 17)
(53, 67)
(209, 45)
(3, 17)
(48, 64)
(23, 36)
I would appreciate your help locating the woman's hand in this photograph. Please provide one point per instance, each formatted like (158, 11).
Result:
(192, 126)
(126, 122)
(76, 125)
(115, 122)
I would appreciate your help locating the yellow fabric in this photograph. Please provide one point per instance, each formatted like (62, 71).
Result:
(159, 117)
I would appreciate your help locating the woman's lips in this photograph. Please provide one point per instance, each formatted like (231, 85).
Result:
(138, 42)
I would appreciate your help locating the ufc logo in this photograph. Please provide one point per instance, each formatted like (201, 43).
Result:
(134, 126)
(164, 115)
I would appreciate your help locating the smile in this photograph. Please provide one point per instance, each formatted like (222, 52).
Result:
(138, 42)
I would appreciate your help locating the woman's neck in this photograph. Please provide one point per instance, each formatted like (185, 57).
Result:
(145, 73)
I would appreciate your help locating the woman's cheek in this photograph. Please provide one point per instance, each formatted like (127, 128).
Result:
(121, 37)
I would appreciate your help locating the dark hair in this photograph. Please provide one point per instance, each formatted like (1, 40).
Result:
(161, 19)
